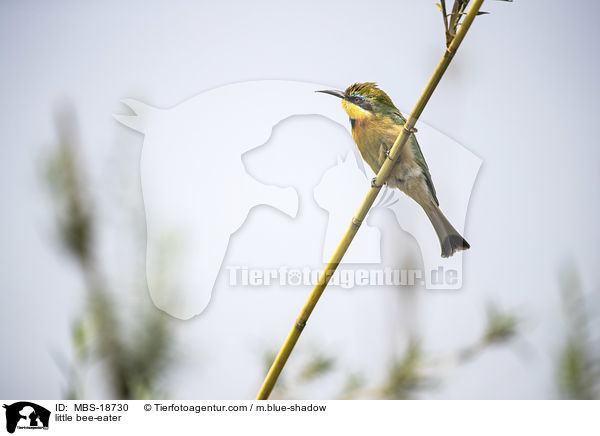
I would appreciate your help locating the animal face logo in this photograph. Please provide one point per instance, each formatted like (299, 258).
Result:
(27, 415)
(199, 187)
(339, 192)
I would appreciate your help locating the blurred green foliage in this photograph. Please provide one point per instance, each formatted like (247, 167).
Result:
(319, 364)
(578, 363)
(501, 326)
(134, 345)
(406, 377)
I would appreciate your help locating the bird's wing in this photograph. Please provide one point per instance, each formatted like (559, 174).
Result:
(399, 117)
(420, 160)
(418, 155)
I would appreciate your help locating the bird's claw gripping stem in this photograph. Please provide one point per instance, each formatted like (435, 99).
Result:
(373, 184)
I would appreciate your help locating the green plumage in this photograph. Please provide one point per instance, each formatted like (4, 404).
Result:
(376, 124)
(414, 145)
(370, 91)
(417, 153)
(389, 118)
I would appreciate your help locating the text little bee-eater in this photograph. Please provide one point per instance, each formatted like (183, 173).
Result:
(376, 123)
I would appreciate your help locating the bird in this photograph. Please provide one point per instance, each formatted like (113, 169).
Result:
(376, 123)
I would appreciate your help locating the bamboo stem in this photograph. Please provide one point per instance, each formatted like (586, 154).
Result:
(382, 176)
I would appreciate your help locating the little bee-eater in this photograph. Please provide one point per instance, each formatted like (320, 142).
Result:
(376, 123)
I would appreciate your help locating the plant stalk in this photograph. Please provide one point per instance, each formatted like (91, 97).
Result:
(356, 222)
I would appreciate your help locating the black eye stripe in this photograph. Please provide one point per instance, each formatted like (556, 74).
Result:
(360, 101)
(365, 105)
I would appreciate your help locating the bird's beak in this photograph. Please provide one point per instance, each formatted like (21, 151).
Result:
(333, 92)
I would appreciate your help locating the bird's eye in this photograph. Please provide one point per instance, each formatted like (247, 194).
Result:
(356, 99)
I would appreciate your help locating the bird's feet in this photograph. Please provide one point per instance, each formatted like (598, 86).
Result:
(374, 184)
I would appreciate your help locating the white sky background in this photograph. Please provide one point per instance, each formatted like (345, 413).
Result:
(522, 94)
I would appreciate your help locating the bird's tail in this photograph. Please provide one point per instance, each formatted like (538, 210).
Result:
(450, 240)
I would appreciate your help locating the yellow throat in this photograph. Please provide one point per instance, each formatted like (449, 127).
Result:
(355, 112)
